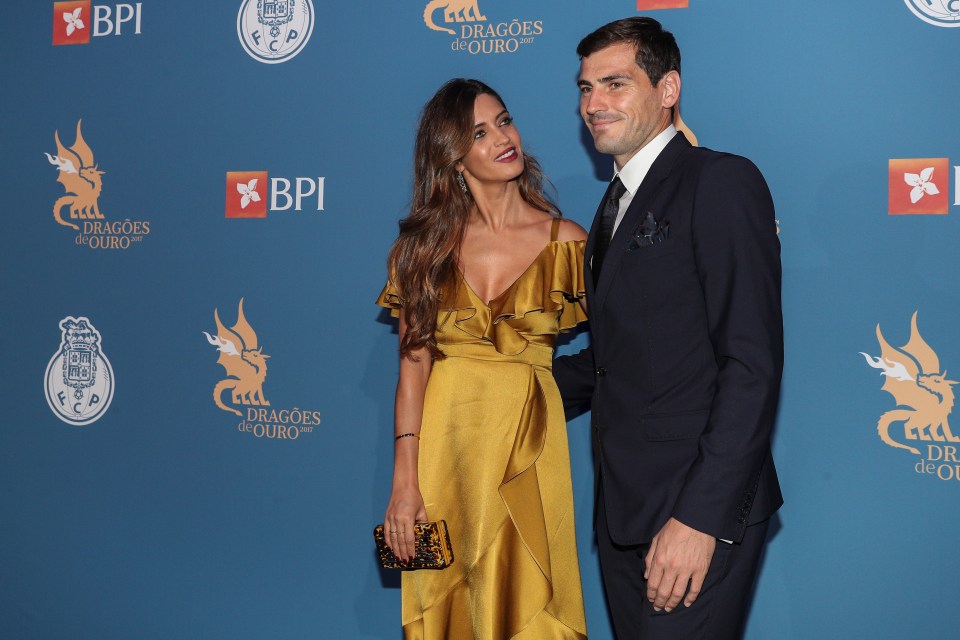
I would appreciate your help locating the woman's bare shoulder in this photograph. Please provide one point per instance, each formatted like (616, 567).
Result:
(570, 230)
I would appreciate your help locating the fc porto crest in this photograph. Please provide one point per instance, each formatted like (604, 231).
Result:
(79, 380)
(273, 31)
(941, 13)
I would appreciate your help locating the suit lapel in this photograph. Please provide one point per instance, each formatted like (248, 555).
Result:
(638, 206)
(589, 248)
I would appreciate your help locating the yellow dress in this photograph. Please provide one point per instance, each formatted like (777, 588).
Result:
(494, 463)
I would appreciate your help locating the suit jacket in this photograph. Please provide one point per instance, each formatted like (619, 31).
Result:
(683, 370)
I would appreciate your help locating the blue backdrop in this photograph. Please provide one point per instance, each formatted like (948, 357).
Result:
(166, 515)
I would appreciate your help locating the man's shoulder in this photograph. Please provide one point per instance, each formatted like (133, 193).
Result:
(710, 161)
(706, 154)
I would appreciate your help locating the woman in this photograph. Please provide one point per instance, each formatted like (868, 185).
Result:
(484, 275)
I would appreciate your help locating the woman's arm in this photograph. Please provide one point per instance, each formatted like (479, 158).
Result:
(406, 504)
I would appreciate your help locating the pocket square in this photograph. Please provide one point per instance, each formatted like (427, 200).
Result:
(649, 232)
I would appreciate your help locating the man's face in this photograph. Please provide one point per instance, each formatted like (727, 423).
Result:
(621, 108)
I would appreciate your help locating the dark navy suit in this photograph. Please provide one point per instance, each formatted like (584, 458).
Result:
(683, 371)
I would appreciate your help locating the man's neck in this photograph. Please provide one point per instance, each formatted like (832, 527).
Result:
(665, 121)
(651, 148)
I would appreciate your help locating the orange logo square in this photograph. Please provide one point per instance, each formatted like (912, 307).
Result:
(662, 4)
(71, 22)
(246, 194)
(919, 186)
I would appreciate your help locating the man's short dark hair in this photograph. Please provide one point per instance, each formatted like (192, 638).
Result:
(657, 51)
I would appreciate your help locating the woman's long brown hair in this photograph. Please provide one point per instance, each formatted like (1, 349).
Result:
(423, 260)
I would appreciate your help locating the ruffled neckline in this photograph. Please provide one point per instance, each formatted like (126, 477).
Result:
(546, 289)
(493, 300)
(551, 284)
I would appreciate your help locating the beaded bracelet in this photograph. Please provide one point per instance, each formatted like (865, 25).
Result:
(407, 435)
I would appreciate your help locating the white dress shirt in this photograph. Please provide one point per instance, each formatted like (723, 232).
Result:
(637, 167)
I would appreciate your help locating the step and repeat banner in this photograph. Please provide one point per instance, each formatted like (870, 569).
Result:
(199, 198)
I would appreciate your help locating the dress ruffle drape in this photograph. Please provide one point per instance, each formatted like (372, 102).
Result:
(494, 462)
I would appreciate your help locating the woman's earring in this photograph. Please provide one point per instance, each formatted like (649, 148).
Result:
(462, 182)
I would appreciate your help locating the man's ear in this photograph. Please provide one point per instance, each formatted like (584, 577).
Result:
(669, 87)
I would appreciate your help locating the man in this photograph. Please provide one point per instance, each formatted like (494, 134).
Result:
(683, 371)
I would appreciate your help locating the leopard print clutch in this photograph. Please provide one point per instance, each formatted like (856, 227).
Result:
(433, 549)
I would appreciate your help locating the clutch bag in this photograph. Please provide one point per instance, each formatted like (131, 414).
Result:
(433, 549)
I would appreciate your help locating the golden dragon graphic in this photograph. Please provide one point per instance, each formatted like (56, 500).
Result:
(80, 176)
(242, 359)
(912, 376)
(453, 11)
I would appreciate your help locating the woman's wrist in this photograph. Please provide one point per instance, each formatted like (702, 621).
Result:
(402, 483)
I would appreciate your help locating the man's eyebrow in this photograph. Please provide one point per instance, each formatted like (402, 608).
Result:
(611, 78)
(604, 80)
(480, 124)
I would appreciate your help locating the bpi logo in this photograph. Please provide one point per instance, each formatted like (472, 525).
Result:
(920, 186)
(924, 395)
(661, 4)
(248, 192)
(75, 22)
(942, 13)
(273, 31)
(79, 379)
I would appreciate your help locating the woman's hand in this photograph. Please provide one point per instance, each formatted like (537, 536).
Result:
(404, 509)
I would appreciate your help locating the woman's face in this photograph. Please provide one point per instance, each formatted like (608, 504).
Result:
(496, 154)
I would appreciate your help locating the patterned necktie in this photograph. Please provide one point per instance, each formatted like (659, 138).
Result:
(608, 217)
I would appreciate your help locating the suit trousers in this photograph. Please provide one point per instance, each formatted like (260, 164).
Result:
(720, 611)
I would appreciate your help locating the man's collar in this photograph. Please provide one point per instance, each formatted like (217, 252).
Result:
(637, 167)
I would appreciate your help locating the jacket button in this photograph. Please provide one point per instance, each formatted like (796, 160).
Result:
(601, 372)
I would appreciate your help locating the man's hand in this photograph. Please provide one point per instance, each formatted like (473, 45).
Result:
(678, 556)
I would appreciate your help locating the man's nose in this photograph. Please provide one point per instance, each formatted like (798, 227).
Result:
(593, 102)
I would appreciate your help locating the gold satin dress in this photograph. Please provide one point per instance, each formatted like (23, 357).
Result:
(494, 462)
